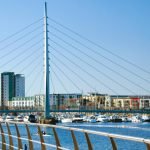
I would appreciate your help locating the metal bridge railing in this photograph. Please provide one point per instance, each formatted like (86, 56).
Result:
(7, 138)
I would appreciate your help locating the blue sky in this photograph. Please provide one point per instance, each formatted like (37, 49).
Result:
(123, 27)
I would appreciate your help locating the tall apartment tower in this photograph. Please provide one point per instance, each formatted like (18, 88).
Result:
(11, 86)
(7, 87)
(19, 85)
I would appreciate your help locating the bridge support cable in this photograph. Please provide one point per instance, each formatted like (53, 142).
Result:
(23, 50)
(67, 77)
(90, 76)
(18, 47)
(52, 82)
(95, 67)
(22, 53)
(37, 72)
(41, 83)
(34, 80)
(97, 61)
(66, 66)
(62, 84)
(31, 62)
(20, 38)
(21, 30)
(105, 75)
(40, 92)
(99, 46)
(26, 58)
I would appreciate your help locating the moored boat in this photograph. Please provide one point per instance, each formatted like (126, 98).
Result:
(102, 118)
(9, 118)
(115, 119)
(77, 118)
(30, 118)
(26, 119)
(19, 118)
(145, 118)
(136, 119)
(66, 120)
(92, 119)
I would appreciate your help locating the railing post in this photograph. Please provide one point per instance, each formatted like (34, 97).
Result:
(113, 143)
(74, 140)
(19, 140)
(56, 139)
(43, 147)
(29, 137)
(3, 138)
(10, 138)
(148, 146)
(88, 141)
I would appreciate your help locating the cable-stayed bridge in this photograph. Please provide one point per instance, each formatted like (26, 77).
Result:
(77, 65)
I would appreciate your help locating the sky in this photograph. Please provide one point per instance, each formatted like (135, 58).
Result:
(120, 26)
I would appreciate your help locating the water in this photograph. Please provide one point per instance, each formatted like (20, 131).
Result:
(99, 142)
(131, 129)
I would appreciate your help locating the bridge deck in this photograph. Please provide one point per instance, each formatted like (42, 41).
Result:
(143, 111)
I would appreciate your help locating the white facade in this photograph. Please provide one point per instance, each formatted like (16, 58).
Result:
(22, 102)
(107, 101)
(39, 100)
(19, 85)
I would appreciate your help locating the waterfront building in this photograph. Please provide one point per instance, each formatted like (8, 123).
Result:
(95, 100)
(19, 85)
(57, 101)
(11, 86)
(107, 102)
(65, 101)
(135, 102)
(22, 102)
(39, 101)
(130, 102)
(89, 101)
(145, 102)
(120, 102)
(77, 101)
(36, 101)
(54, 98)
(7, 88)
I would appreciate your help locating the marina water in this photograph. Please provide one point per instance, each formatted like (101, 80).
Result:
(99, 142)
